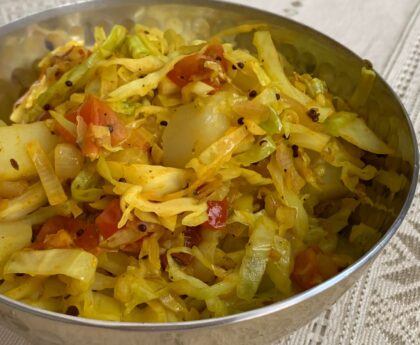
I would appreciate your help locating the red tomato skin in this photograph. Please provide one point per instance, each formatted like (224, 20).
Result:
(217, 213)
(192, 68)
(215, 52)
(185, 69)
(51, 226)
(89, 239)
(107, 221)
(84, 234)
(90, 149)
(96, 112)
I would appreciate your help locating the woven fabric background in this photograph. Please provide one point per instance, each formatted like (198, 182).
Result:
(384, 306)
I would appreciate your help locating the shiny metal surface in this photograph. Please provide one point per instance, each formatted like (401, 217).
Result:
(24, 41)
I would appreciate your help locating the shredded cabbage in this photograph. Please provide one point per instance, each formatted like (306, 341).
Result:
(73, 263)
(14, 236)
(256, 257)
(150, 178)
(354, 129)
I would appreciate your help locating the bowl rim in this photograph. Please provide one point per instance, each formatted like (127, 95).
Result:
(22, 22)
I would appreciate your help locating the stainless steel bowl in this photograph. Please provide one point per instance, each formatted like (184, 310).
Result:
(26, 40)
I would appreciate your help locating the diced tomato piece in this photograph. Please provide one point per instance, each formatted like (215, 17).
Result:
(192, 67)
(312, 267)
(83, 233)
(72, 115)
(95, 112)
(90, 149)
(62, 239)
(217, 213)
(186, 69)
(215, 52)
(107, 221)
(52, 226)
(87, 238)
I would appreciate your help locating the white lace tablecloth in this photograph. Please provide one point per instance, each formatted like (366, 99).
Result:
(384, 306)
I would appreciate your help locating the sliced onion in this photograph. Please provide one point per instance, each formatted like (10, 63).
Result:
(68, 161)
(49, 179)
(16, 208)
